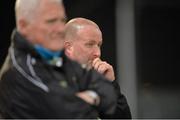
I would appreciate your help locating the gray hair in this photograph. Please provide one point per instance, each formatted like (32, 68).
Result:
(27, 8)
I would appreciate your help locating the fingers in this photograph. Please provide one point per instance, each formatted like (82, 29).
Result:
(103, 68)
(97, 63)
(100, 66)
(85, 97)
(89, 96)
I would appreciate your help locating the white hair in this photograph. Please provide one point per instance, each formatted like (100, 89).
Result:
(27, 8)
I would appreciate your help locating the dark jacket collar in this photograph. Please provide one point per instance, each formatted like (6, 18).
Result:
(22, 44)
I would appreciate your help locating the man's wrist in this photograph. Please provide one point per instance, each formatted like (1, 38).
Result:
(94, 96)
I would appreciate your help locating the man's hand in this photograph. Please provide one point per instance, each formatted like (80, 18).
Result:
(89, 96)
(104, 68)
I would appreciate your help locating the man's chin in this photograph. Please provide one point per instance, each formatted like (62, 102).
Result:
(55, 48)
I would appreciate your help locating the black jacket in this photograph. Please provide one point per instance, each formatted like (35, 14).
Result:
(31, 88)
(122, 110)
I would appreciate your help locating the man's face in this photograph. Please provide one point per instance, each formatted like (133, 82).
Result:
(47, 28)
(86, 46)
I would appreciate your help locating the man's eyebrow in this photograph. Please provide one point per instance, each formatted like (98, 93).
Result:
(51, 20)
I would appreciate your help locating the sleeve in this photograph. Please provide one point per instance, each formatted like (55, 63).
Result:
(122, 108)
(104, 88)
(19, 98)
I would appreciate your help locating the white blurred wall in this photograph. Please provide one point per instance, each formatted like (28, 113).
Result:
(126, 66)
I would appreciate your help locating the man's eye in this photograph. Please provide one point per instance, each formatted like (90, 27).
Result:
(89, 44)
(51, 21)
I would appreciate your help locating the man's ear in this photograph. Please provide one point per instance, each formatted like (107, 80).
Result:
(23, 26)
(68, 47)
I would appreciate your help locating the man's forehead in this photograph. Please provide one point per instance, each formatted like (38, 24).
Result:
(79, 27)
(88, 29)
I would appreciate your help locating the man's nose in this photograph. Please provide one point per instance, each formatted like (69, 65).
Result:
(97, 53)
(61, 27)
(59, 30)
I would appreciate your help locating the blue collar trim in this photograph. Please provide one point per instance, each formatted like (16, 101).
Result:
(47, 54)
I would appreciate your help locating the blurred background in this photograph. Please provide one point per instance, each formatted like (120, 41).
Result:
(139, 40)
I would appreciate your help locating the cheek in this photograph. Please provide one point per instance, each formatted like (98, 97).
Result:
(80, 52)
(86, 53)
(42, 30)
(38, 31)
(83, 50)
(40, 36)
(35, 34)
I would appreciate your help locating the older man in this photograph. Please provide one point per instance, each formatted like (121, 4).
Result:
(37, 80)
(83, 44)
